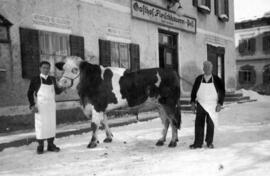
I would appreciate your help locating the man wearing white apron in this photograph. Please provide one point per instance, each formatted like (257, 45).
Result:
(43, 89)
(208, 92)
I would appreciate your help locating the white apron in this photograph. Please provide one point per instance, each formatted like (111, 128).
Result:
(207, 97)
(45, 119)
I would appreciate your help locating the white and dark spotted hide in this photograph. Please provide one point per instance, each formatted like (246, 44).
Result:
(102, 89)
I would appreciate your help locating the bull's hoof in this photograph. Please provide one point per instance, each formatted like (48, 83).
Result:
(160, 143)
(107, 140)
(92, 145)
(172, 144)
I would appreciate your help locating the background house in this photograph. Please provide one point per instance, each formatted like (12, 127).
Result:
(252, 39)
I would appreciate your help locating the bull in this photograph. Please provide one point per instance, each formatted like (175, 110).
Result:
(103, 89)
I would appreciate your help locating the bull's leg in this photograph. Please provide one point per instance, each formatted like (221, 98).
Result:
(166, 123)
(169, 111)
(96, 119)
(109, 135)
(161, 141)
(174, 140)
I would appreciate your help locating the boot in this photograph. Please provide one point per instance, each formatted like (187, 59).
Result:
(40, 148)
(51, 146)
(195, 146)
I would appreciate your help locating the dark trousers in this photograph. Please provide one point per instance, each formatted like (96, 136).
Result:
(49, 140)
(201, 115)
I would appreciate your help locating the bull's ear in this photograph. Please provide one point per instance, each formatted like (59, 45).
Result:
(59, 65)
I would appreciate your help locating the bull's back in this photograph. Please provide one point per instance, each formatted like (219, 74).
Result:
(137, 87)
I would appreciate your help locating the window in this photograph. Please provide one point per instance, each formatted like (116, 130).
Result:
(50, 46)
(266, 74)
(54, 47)
(266, 43)
(247, 46)
(222, 9)
(118, 54)
(203, 6)
(4, 30)
(247, 75)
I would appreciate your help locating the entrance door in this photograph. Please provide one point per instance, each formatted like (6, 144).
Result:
(216, 56)
(168, 57)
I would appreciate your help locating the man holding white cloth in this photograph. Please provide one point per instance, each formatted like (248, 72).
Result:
(207, 97)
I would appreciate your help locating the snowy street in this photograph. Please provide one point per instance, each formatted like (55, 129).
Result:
(242, 146)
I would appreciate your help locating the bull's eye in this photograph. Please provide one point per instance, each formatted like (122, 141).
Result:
(75, 70)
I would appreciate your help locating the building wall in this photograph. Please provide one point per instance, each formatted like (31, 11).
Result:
(94, 20)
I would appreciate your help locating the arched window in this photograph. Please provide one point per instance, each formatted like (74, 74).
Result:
(247, 75)
(266, 74)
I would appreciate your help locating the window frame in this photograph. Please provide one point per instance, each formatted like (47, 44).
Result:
(247, 75)
(249, 48)
(203, 7)
(266, 43)
(223, 14)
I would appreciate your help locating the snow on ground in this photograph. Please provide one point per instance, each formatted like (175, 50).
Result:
(242, 147)
(254, 95)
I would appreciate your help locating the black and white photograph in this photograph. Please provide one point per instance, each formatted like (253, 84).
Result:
(134, 87)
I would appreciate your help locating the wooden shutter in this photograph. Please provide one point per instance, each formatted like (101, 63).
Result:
(252, 44)
(208, 3)
(241, 47)
(104, 53)
(226, 6)
(253, 76)
(30, 55)
(217, 7)
(241, 76)
(134, 57)
(195, 3)
(76, 46)
(266, 43)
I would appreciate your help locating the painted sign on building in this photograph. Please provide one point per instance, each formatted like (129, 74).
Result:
(155, 14)
(50, 21)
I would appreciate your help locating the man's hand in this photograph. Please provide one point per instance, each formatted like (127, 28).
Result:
(34, 109)
(218, 108)
(193, 108)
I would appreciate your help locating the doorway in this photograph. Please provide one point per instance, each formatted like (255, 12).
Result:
(168, 56)
(216, 56)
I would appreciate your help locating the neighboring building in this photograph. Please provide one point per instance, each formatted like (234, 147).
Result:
(252, 40)
(124, 33)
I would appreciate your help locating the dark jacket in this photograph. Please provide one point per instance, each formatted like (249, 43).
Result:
(35, 85)
(219, 85)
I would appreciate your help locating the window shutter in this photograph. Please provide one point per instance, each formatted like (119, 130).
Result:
(253, 76)
(241, 76)
(29, 52)
(252, 43)
(241, 47)
(195, 3)
(226, 7)
(134, 57)
(208, 3)
(76, 46)
(217, 7)
(265, 43)
(104, 53)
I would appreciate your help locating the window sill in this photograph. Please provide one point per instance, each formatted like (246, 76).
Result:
(223, 17)
(204, 9)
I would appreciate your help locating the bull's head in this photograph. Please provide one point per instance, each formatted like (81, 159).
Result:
(71, 75)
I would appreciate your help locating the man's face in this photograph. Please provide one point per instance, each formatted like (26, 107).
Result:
(45, 69)
(207, 68)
